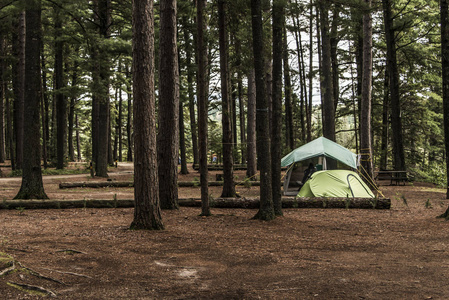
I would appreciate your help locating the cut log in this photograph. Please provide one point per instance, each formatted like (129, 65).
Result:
(118, 184)
(95, 184)
(62, 204)
(292, 202)
(287, 202)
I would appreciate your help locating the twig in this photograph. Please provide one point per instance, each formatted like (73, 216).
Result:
(69, 273)
(33, 288)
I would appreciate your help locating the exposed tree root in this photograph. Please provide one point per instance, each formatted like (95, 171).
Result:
(32, 289)
(39, 275)
(71, 251)
(8, 270)
(68, 273)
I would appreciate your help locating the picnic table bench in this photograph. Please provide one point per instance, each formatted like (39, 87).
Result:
(395, 177)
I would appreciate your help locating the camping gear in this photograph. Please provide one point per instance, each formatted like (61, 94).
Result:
(318, 152)
(321, 147)
(335, 183)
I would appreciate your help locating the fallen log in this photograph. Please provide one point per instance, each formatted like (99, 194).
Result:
(62, 204)
(287, 202)
(95, 184)
(299, 202)
(118, 184)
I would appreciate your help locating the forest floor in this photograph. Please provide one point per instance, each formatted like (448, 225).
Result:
(400, 253)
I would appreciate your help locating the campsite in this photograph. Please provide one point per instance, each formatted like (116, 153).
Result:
(216, 149)
(399, 253)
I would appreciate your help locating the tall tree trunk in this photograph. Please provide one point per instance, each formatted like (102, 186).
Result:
(32, 186)
(445, 73)
(266, 210)
(111, 156)
(19, 88)
(78, 141)
(2, 98)
(72, 112)
(251, 153)
(45, 114)
(182, 135)
(202, 105)
(228, 164)
(366, 150)
(358, 20)
(396, 123)
(120, 124)
(104, 19)
(9, 132)
(44, 133)
(334, 46)
(276, 132)
(385, 124)
(168, 114)
(289, 132)
(241, 116)
(147, 213)
(129, 122)
(182, 139)
(326, 75)
(61, 100)
(310, 104)
(303, 102)
(190, 91)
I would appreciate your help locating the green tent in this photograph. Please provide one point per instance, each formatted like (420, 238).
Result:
(335, 183)
(321, 147)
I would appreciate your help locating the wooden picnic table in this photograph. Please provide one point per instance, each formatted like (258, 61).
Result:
(392, 175)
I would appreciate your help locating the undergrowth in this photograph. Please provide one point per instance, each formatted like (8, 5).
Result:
(18, 173)
(434, 173)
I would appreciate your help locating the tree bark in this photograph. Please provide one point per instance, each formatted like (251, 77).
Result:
(104, 19)
(129, 121)
(191, 95)
(72, 112)
(276, 132)
(202, 105)
(147, 213)
(228, 169)
(266, 209)
(182, 135)
(78, 141)
(309, 109)
(32, 186)
(396, 123)
(61, 100)
(19, 89)
(251, 153)
(366, 150)
(334, 47)
(168, 114)
(385, 124)
(45, 112)
(182, 140)
(445, 74)
(2, 98)
(289, 132)
(326, 75)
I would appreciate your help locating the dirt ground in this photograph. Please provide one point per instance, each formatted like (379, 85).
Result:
(401, 253)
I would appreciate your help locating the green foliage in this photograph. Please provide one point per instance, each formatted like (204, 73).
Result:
(434, 172)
